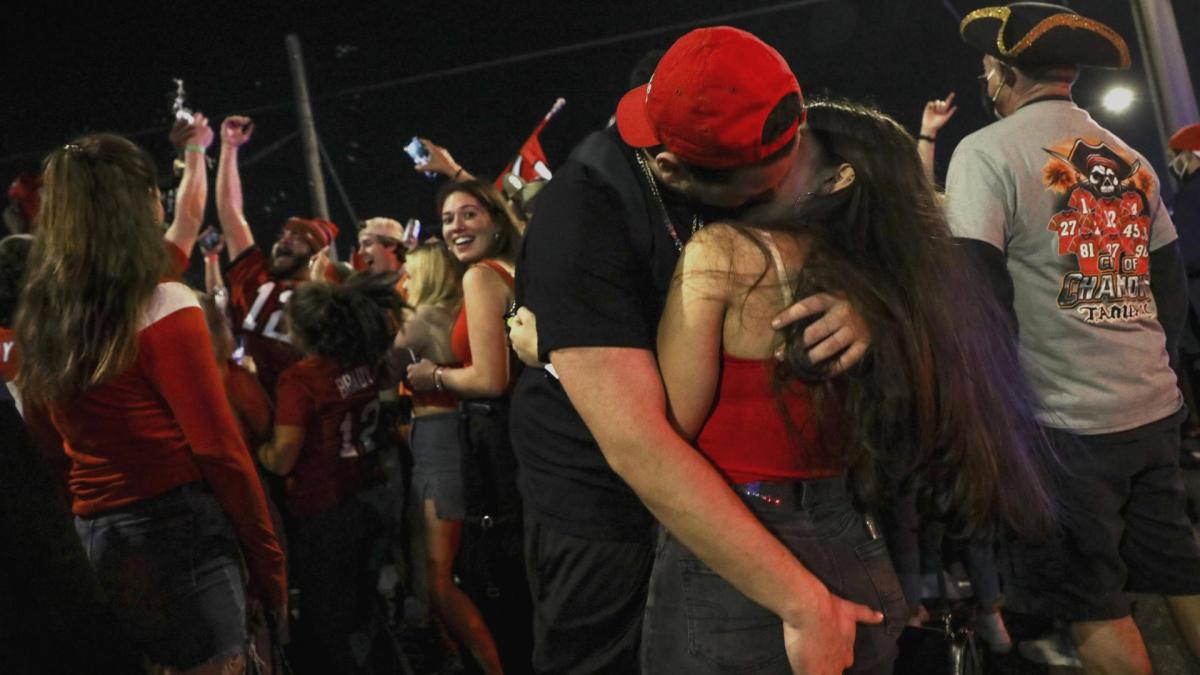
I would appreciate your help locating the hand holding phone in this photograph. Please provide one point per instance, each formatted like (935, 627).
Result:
(419, 152)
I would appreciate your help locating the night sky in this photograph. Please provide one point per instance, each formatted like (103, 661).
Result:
(110, 69)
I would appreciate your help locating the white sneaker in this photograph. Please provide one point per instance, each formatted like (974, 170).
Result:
(1053, 649)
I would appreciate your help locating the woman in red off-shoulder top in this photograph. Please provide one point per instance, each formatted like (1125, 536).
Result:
(164, 492)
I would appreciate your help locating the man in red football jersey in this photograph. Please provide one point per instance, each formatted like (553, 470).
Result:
(259, 286)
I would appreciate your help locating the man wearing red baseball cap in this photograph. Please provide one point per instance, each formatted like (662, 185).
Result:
(259, 286)
(712, 136)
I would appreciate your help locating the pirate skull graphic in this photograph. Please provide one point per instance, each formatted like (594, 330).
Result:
(1099, 168)
(1102, 174)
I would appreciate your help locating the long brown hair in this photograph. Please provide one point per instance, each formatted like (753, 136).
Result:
(508, 225)
(940, 398)
(95, 263)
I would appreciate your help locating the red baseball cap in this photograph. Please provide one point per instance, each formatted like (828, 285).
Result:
(709, 99)
(1186, 139)
(317, 233)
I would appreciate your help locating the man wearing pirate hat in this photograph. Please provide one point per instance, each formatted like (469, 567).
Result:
(715, 133)
(1068, 221)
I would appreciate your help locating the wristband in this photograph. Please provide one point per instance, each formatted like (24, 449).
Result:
(437, 379)
(926, 137)
(192, 147)
(457, 173)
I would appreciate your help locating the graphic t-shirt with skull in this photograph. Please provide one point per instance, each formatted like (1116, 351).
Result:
(1077, 213)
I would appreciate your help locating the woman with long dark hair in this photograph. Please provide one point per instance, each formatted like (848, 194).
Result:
(481, 231)
(163, 489)
(326, 431)
(940, 399)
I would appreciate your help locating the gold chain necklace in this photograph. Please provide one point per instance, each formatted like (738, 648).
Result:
(662, 207)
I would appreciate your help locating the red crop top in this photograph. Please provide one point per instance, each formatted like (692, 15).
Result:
(746, 435)
(460, 341)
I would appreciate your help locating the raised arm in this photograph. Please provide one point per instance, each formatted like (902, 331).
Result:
(192, 195)
(442, 162)
(235, 131)
(933, 118)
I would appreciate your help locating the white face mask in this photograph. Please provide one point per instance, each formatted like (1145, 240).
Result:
(989, 100)
(1179, 165)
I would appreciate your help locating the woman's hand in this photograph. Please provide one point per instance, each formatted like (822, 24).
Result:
(199, 132)
(420, 375)
(937, 113)
(440, 161)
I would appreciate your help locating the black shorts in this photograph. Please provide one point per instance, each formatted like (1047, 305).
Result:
(1124, 528)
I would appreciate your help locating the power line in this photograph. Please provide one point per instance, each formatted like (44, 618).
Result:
(481, 65)
(566, 49)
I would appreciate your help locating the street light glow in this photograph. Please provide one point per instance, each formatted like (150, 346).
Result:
(1118, 99)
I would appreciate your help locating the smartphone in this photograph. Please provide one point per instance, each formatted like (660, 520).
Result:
(412, 234)
(209, 239)
(420, 154)
(418, 151)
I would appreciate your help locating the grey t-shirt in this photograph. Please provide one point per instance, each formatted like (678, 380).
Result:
(1077, 212)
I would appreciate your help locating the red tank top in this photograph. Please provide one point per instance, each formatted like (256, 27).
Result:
(747, 438)
(460, 341)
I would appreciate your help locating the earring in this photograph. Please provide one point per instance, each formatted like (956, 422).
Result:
(814, 193)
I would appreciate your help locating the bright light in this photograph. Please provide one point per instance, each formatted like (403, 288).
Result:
(1118, 99)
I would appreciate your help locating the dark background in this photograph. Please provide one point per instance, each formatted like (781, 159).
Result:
(73, 69)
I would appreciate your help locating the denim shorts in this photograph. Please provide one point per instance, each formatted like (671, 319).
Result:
(696, 622)
(437, 463)
(172, 569)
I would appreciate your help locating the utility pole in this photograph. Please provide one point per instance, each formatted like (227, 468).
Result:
(308, 134)
(1167, 73)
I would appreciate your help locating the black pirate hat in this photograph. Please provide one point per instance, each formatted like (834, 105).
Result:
(1085, 156)
(1040, 33)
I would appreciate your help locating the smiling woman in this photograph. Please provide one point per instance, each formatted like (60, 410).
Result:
(481, 232)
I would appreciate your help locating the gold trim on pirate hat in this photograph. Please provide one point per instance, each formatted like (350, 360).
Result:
(1040, 33)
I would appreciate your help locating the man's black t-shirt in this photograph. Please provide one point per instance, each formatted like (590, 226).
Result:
(594, 277)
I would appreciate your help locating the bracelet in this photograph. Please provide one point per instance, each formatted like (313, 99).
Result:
(437, 379)
(457, 174)
(192, 147)
(926, 137)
